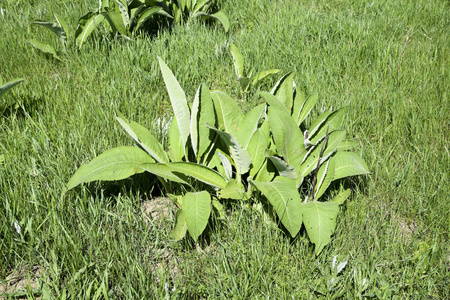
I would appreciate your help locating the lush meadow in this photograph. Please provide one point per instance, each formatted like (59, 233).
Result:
(387, 62)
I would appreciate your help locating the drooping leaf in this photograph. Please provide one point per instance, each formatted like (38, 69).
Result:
(320, 222)
(146, 14)
(266, 172)
(218, 208)
(233, 190)
(261, 75)
(178, 100)
(65, 36)
(283, 168)
(144, 138)
(241, 158)
(8, 85)
(256, 149)
(324, 178)
(123, 8)
(238, 61)
(196, 208)
(306, 108)
(115, 20)
(282, 194)
(287, 136)
(46, 48)
(229, 115)
(199, 172)
(164, 171)
(180, 229)
(219, 16)
(348, 164)
(114, 164)
(177, 149)
(347, 145)
(86, 24)
(249, 125)
(202, 114)
(284, 90)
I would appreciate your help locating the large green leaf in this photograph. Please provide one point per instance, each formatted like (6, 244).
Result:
(196, 208)
(178, 100)
(202, 114)
(114, 164)
(219, 16)
(229, 115)
(56, 28)
(199, 172)
(65, 35)
(283, 168)
(306, 107)
(273, 101)
(348, 164)
(233, 190)
(249, 125)
(115, 20)
(144, 138)
(332, 123)
(241, 158)
(282, 194)
(123, 8)
(86, 24)
(226, 165)
(342, 196)
(46, 48)
(287, 136)
(164, 171)
(318, 122)
(238, 61)
(266, 172)
(320, 222)
(284, 90)
(146, 14)
(261, 75)
(256, 149)
(177, 149)
(324, 178)
(8, 85)
(179, 231)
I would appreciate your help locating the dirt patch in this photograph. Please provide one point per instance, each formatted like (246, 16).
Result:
(159, 209)
(21, 282)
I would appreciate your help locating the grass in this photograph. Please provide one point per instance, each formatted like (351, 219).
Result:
(386, 61)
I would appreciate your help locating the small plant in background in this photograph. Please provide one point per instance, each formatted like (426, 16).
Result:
(329, 280)
(218, 153)
(61, 30)
(246, 80)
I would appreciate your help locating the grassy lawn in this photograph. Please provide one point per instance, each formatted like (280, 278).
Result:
(387, 62)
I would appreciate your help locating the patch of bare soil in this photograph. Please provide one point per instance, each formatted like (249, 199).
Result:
(159, 209)
(21, 281)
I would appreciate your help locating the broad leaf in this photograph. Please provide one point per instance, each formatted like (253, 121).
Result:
(346, 145)
(287, 136)
(266, 172)
(199, 172)
(229, 115)
(179, 231)
(114, 164)
(144, 138)
(46, 48)
(86, 24)
(320, 222)
(249, 125)
(332, 123)
(227, 168)
(273, 101)
(282, 194)
(146, 14)
(196, 208)
(238, 61)
(123, 7)
(306, 107)
(241, 158)
(219, 16)
(261, 75)
(342, 196)
(256, 149)
(233, 190)
(324, 178)
(218, 208)
(284, 90)
(348, 164)
(178, 100)
(8, 85)
(202, 114)
(115, 20)
(164, 171)
(283, 168)
(56, 28)
(177, 149)
(64, 37)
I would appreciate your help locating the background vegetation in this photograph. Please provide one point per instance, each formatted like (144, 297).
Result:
(386, 61)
